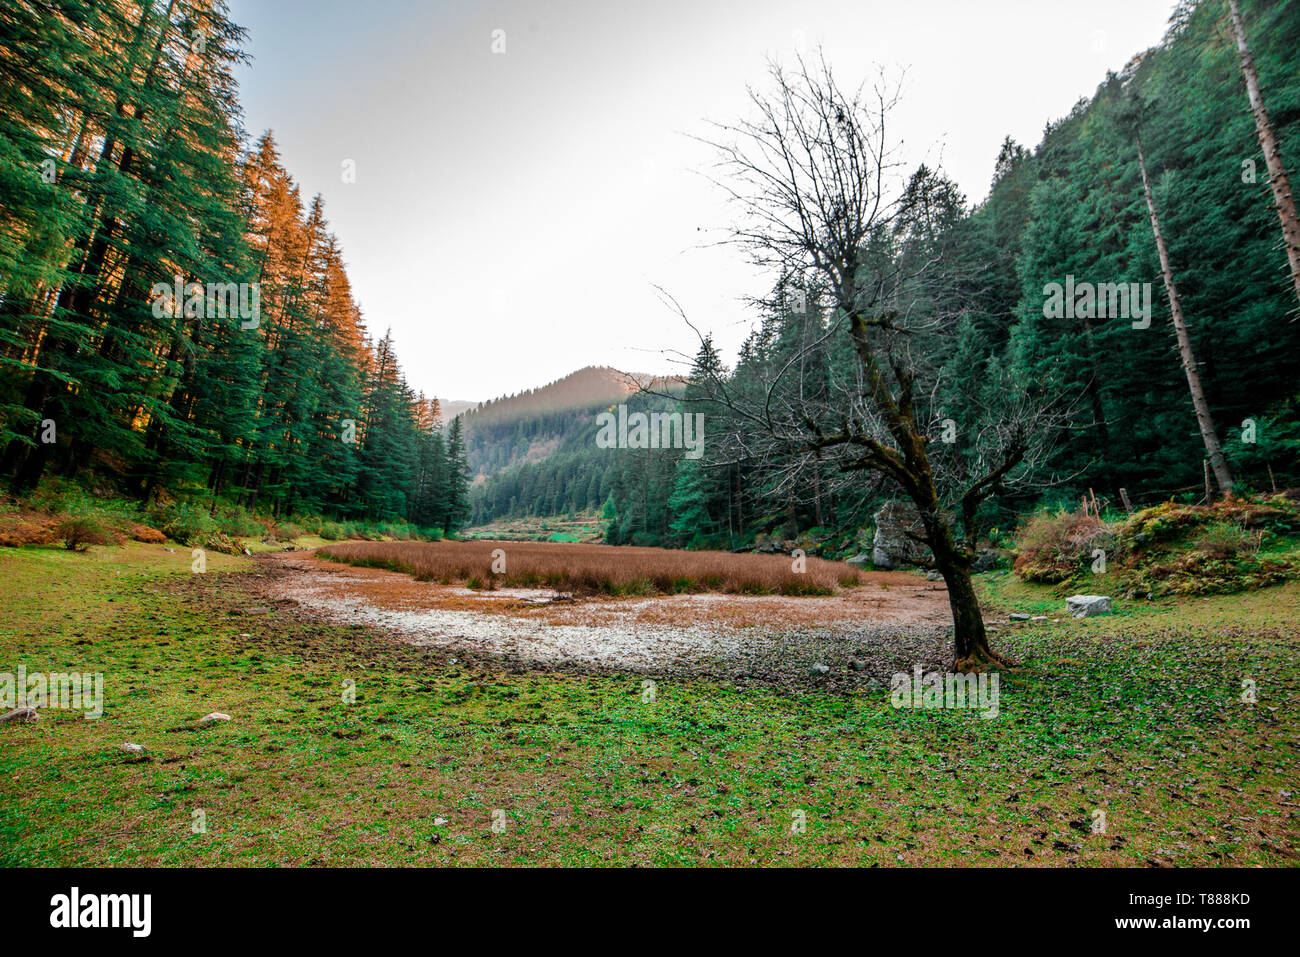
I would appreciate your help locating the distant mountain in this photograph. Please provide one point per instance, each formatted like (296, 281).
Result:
(538, 446)
(454, 407)
(585, 389)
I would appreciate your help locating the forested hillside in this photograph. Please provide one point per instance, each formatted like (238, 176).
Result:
(1071, 210)
(534, 454)
(174, 318)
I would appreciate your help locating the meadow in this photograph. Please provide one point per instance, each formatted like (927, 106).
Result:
(1137, 715)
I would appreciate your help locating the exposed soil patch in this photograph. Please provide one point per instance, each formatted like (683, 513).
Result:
(893, 621)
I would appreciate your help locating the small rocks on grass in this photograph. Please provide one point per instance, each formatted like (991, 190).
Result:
(857, 664)
(439, 821)
(1019, 616)
(133, 749)
(20, 714)
(819, 669)
(1086, 606)
(214, 716)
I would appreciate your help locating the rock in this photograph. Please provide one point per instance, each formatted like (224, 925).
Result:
(933, 576)
(891, 548)
(861, 560)
(214, 716)
(439, 821)
(133, 749)
(1039, 618)
(20, 714)
(986, 561)
(1019, 616)
(857, 664)
(819, 669)
(1086, 606)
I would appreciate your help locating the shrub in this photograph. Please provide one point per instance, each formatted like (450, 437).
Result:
(79, 533)
(286, 532)
(1053, 548)
(143, 533)
(182, 522)
(1223, 540)
(235, 520)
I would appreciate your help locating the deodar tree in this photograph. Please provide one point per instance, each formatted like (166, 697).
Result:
(824, 203)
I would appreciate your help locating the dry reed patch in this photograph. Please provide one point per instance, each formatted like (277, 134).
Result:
(599, 569)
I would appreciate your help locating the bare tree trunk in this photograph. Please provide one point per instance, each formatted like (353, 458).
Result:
(1283, 198)
(970, 644)
(1203, 419)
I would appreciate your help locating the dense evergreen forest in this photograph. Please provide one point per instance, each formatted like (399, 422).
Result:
(174, 318)
(176, 321)
(1073, 209)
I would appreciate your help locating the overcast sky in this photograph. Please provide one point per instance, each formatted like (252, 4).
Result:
(512, 212)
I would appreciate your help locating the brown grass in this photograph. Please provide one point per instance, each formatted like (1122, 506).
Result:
(1054, 548)
(27, 528)
(590, 569)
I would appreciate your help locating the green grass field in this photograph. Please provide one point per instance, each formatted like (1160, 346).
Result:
(1138, 715)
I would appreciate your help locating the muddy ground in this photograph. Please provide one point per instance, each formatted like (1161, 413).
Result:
(887, 625)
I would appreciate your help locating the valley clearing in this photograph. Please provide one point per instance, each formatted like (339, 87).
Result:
(376, 720)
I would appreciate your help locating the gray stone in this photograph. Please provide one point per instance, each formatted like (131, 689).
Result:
(891, 547)
(819, 669)
(857, 664)
(20, 714)
(214, 716)
(860, 560)
(1086, 606)
(1018, 616)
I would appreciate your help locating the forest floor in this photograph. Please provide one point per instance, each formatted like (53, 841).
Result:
(462, 755)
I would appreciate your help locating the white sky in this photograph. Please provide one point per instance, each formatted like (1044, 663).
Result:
(512, 211)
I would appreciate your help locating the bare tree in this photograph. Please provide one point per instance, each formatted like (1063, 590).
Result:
(1283, 199)
(825, 204)
(1213, 449)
